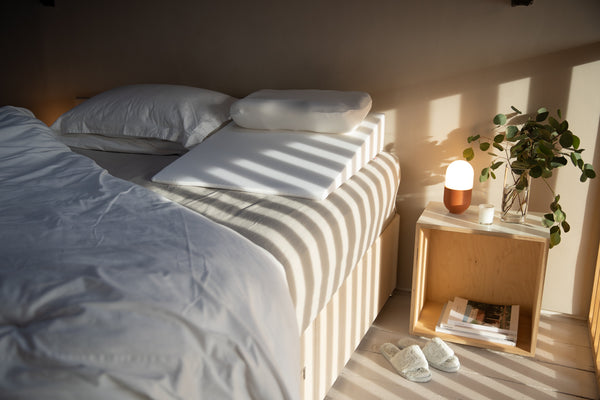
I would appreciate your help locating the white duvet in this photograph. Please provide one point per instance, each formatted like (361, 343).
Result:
(108, 291)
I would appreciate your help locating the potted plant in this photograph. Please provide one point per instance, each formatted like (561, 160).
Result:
(531, 151)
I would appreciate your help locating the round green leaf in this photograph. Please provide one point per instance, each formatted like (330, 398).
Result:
(542, 114)
(471, 139)
(558, 162)
(589, 171)
(485, 174)
(566, 139)
(535, 172)
(559, 215)
(511, 131)
(548, 220)
(484, 146)
(468, 154)
(554, 238)
(500, 119)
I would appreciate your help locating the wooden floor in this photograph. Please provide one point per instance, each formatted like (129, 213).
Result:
(561, 369)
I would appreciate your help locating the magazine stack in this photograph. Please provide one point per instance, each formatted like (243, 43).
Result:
(489, 322)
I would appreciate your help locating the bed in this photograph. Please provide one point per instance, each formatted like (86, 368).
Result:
(327, 265)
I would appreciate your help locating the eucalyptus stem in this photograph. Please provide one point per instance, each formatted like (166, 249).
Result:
(549, 187)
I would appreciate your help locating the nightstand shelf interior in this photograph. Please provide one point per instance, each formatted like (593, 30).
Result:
(455, 256)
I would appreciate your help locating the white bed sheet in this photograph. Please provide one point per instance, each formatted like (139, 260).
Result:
(317, 242)
(108, 290)
(293, 163)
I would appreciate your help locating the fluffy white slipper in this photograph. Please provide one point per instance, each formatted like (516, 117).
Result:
(437, 352)
(410, 362)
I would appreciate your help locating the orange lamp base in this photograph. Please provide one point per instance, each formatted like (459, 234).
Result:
(457, 201)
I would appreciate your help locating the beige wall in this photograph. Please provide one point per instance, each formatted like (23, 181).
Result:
(439, 69)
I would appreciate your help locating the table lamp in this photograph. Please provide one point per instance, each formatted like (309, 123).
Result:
(458, 186)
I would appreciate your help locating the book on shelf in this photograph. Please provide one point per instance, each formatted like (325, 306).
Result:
(447, 325)
(496, 318)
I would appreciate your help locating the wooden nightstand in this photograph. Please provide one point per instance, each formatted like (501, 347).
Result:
(499, 263)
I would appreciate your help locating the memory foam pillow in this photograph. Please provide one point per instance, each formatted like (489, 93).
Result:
(328, 111)
(181, 114)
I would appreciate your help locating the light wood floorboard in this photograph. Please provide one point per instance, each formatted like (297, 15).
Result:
(561, 369)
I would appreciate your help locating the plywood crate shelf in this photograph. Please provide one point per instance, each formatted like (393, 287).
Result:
(499, 264)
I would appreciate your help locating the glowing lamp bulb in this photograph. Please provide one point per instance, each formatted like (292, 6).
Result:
(458, 186)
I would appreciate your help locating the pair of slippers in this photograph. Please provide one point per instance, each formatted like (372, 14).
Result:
(412, 362)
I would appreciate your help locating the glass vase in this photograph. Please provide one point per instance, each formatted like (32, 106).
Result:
(515, 196)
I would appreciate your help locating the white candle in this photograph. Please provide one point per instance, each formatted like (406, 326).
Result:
(486, 214)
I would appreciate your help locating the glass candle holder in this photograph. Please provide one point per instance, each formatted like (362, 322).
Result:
(486, 214)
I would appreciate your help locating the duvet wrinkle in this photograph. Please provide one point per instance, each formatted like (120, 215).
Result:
(199, 279)
(42, 304)
(109, 206)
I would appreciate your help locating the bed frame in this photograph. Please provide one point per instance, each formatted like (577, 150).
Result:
(329, 341)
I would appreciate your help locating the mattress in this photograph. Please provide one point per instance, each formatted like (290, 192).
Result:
(282, 162)
(318, 242)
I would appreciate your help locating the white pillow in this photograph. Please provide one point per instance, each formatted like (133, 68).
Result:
(328, 111)
(181, 114)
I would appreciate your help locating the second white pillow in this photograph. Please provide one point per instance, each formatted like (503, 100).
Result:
(328, 111)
